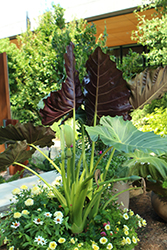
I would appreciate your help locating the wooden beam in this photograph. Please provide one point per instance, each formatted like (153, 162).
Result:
(4, 92)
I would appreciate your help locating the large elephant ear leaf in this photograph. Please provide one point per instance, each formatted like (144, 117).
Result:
(15, 153)
(147, 86)
(125, 137)
(143, 164)
(62, 102)
(37, 135)
(107, 92)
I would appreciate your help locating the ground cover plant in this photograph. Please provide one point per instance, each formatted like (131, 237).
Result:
(106, 111)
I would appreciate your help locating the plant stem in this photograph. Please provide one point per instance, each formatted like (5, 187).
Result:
(32, 171)
(53, 164)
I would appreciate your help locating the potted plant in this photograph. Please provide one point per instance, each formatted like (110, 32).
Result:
(82, 184)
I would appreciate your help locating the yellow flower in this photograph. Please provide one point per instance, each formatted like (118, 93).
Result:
(16, 191)
(52, 245)
(11, 248)
(5, 240)
(126, 232)
(29, 202)
(107, 227)
(23, 187)
(110, 246)
(126, 227)
(103, 240)
(35, 190)
(134, 240)
(117, 229)
(128, 240)
(61, 240)
(76, 248)
(72, 241)
(17, 215)
(80, 244)
(123, 242)
(144, 223)
(131, 213)
(25, 212)
(95, 247)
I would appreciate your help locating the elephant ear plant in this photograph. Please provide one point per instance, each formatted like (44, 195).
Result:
(106, 106)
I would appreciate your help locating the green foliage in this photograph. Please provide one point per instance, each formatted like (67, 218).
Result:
(156, 121)
(37, 68)
(152, 33)
(131, 64)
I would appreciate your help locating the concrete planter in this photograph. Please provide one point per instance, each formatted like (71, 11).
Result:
(160, 205)
(124, 197)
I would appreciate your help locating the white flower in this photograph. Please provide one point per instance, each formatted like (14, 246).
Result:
(40, 240)
(103, 240)
(15, 224)
(29, 202)
(38, 221)
(16, 191)
(17, 215)
(110, 246)
(139, 224)
(58, 214)
(35, 190)
(123, 241)
(107, 227)
(58, 220)
(126, 216)
(57, 181)
(52, 245)
(138, 216)
(48, 214)
(39, 209)
(125, 210)
(61, 240)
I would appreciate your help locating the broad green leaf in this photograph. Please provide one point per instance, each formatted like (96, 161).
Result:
(15, 153)
(143, 164)
(37, 135)
(125, 137)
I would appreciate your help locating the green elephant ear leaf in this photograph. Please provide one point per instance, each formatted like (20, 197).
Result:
(15, 153)
(143, 164)
(37, 135)
(125, 137)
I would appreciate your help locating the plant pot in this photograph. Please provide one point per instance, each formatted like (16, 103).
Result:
(123, 197)
(160, 205)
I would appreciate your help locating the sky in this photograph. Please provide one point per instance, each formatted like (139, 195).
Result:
(13, 12)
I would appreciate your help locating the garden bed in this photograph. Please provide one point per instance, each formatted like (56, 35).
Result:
(154, 235)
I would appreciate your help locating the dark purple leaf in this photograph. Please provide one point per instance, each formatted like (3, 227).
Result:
(39, 135)
(62, 102)
(107, 92)
(15, 153)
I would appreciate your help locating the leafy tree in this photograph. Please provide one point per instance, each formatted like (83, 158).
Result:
(152, 33)
(39, 61)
